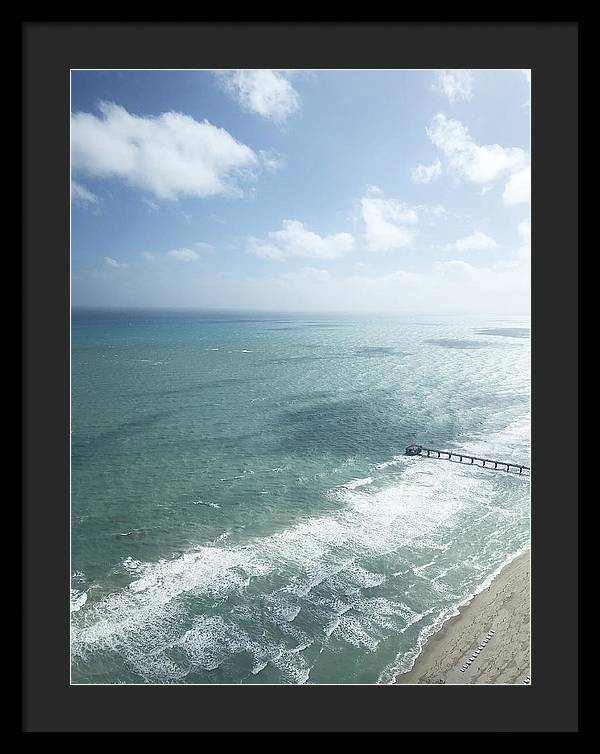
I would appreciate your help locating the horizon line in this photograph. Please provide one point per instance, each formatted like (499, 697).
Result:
(128, 307)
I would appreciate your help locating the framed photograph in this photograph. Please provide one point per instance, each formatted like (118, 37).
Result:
(292, 350)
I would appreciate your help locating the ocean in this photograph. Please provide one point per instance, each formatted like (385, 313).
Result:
(242, 509)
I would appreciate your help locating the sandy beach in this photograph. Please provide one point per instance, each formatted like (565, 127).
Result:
(501, 657)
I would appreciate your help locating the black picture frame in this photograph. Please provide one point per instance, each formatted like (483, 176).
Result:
(50, 50)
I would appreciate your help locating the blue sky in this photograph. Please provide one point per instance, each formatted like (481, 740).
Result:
(302, 190)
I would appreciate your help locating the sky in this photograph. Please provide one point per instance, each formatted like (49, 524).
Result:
(302, 190)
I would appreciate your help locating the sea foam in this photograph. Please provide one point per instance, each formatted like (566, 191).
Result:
(322, 555)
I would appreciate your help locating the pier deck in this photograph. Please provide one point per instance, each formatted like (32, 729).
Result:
(419, 450)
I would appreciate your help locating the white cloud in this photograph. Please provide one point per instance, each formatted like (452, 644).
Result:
(114, 263)
(477, 241)
(183, 255)
(456, 84)
(169, 156)
(295, 240)
(426, 173)
(265, 92)
(389, 224)
(271, 160)
(518, 188)
(81, 195)
(479, 164)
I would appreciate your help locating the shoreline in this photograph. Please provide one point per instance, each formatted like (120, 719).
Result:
(504, 608)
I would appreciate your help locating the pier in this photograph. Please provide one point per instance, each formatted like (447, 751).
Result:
(419, 450)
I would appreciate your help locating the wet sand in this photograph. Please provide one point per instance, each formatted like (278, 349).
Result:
(504, 658)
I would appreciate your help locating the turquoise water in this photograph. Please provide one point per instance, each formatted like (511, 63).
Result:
(241, 508)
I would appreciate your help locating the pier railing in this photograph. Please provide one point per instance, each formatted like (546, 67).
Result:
(419, 450)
